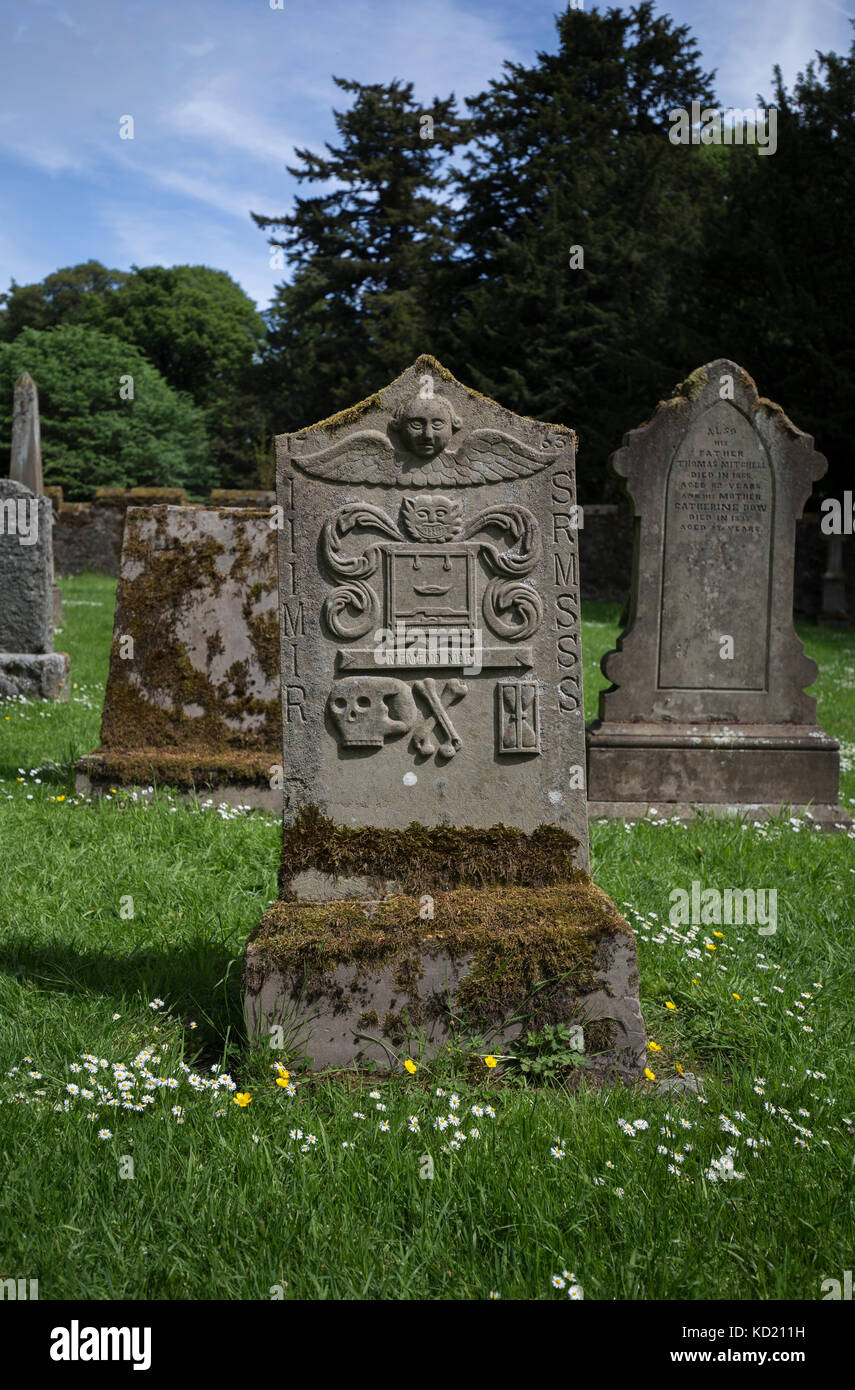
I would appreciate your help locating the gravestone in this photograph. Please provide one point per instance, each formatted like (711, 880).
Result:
(192, 697)
(435, 848)
(26, 463)
(708, 705)
(29, 667)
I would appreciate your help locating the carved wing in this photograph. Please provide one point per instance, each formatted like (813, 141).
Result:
(365, 457)
(487, 456)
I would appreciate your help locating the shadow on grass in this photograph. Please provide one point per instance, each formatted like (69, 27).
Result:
(199, 980)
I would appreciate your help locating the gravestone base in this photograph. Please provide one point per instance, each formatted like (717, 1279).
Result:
(358, 981)
(668, 763)
(238, 779)
(34, 676)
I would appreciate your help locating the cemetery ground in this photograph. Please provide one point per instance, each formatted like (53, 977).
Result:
(146, 1154)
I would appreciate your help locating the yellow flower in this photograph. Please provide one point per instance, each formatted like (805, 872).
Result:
(242, 1098)
(60, 798)
(679, 1068)
(490, 1061)
(669, 1005)
(736, 996)
(411, 1066)
(710, 947)
(696, 982)
(654, 1047)
(718, 933)
(284, 1072)
(649, 1074)
(283, 1080)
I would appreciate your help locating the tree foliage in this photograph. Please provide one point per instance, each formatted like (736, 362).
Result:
(91, 437)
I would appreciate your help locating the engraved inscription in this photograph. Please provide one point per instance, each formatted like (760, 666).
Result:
(566, 576)
(717, 557)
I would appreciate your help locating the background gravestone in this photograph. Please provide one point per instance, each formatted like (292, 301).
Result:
(708, 705)
(192, 697)
(26, 461)
(29, 667)
(435, 848)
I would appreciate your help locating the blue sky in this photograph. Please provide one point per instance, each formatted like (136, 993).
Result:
(222, 90)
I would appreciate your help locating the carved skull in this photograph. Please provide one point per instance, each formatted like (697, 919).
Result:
(357, 707)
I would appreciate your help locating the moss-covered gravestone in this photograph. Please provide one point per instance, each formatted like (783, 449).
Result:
(192, 697)
(434, 870)
(708, 705)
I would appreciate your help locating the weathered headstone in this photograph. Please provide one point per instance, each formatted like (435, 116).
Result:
(708, 703)
(192, 697)
(26, 463)
(435, 854)
(29, 667)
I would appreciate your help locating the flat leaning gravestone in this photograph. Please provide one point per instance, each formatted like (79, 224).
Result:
(435, 851)
(707, 706)
(192, 698)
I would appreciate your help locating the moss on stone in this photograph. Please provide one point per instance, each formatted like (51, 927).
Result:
(529, 949)
(422, 858)
(141, 723)
(176, 767)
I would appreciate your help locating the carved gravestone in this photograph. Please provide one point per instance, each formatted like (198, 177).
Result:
(435, 848)
(708, 703)
(29, 667)
(192, 697)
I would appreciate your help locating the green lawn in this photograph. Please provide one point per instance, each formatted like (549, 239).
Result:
(223, 1202)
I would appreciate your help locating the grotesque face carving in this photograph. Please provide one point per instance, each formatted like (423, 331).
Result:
(425, 426)
(432, 518)
(357, 707)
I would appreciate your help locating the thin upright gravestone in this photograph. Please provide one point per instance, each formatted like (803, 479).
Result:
(708, 707)
(29, 667)
(192, 697)
(434, 871)
(26, 464)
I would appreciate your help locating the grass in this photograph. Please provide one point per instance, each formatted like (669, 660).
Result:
(106, 908)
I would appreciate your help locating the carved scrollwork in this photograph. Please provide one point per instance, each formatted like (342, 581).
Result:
(352, 609)
(520, 525)
(347, 519)
(522, 604)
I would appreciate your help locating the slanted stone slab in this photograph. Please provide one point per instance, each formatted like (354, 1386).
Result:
(29, 667)
(192, 696)
(435, 814)
(708, 702)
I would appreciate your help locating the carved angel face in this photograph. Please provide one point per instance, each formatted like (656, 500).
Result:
(431, 518)
(425, 427)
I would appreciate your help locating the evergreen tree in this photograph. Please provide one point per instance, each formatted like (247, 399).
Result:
(783, 298)
(574, 152)
(368, 256)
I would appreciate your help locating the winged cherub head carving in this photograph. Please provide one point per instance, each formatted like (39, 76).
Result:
(424, 426)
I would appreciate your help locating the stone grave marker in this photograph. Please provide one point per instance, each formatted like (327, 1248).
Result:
(435, 849)
(707, 706)
(26, 463)
(29, 666)
(192, 697)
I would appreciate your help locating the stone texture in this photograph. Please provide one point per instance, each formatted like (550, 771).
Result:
(435, 829)
(194, 701)
(26, 581)
(717, 479)
(26, 462)
(31, 676)
(476, 539)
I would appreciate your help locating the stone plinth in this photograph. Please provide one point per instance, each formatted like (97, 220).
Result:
(192, 696)
(34, 676)
(708, 704)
